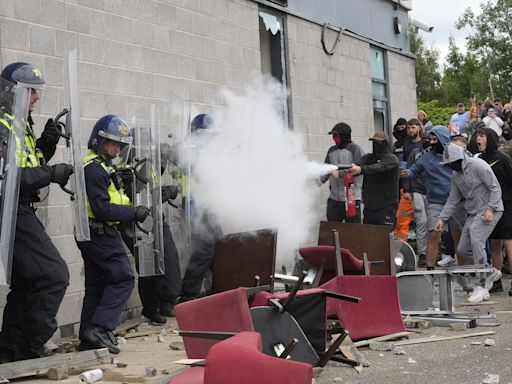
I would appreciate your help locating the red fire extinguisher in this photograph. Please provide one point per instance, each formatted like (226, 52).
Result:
(350, 195)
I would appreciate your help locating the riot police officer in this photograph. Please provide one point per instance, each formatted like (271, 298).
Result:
(205, 229)
(39, 274)
(108, 274)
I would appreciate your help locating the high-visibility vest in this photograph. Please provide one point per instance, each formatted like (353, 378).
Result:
(117, 196)
(28, 156)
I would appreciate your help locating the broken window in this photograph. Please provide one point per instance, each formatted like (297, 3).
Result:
(379, 89)
(273, 51)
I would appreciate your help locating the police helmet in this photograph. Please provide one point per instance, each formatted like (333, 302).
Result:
(109, 127)
(201, 121)
(23, 73)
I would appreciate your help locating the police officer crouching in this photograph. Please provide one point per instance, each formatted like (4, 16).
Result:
(39, 274)
(108, 274)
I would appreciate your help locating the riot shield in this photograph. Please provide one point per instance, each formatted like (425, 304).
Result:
(75, 152)
(14, 104)
(182, 146)
(149, 242)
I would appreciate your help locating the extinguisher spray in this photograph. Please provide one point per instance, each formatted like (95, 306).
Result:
(350, 195)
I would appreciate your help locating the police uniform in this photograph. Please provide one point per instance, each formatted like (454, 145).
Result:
(108, 274)
(205, 232)
(39, 274)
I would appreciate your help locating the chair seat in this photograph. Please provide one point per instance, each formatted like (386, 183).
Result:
(378, 314)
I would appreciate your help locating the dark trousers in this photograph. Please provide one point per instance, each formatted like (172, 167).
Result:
(157, 290)
(38, 284)
(336, 211)
(204, 237)
(108, 280)
(382, 216)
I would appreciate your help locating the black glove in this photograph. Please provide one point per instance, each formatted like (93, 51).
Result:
(169, 192)
(50, 135)
(141, 213)
(59, 173)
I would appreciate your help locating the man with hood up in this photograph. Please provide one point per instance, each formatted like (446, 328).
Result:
(380, 182)
(474, 181)
(400, 134)
(501, 165)
(344, 152)
(438, 180)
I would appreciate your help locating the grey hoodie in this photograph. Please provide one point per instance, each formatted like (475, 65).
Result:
(476, 183)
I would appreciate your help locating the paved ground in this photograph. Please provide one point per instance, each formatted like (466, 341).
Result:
(454, 361)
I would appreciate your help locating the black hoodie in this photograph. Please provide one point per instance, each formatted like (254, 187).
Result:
(500, 163)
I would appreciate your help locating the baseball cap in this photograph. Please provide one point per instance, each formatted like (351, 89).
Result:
(380, 136)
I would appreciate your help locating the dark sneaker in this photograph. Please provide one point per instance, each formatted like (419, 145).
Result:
(154, 317)
(99, 337)
(167, 310)
(496, 287)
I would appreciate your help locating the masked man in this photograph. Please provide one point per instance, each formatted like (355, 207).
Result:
(380, 183)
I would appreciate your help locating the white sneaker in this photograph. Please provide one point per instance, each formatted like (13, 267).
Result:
(478, 295)
(495, 275)
(445, 261)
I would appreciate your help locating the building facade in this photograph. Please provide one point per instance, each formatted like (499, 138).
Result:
(341, 61)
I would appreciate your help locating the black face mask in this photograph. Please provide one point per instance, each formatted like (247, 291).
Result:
(456, 165)
(438, 148)
(507, 134)
(379, 147)
(400, 134)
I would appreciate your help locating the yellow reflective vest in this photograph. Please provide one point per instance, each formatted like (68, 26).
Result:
(117, 196)
(28, 156)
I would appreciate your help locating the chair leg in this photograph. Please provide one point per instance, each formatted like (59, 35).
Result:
(365, 261)
(339, 261)
(289, 348)
(332, 349)
(318, 276)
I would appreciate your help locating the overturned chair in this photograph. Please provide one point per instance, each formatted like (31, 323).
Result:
(239, 360)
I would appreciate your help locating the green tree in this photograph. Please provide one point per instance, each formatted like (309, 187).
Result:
(428, 76)
(464, 75)
(491, 41)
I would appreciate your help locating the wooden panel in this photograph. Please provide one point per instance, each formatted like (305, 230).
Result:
(240, 256)
(359, 238)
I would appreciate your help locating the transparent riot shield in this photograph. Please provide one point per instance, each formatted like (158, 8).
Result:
(149, 242)
(182, 146)
(75, 152)
(14, 104)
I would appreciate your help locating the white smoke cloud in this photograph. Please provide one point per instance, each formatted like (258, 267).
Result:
(253, 171)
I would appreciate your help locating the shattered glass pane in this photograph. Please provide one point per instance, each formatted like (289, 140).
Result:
(271, 22)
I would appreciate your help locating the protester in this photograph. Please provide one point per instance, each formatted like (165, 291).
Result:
(380, 182)
(344, 152)
(474, 182)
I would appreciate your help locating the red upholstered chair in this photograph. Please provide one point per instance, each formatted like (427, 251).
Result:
(323, 258)
(223, 312)
(239, 360)
(377, 314)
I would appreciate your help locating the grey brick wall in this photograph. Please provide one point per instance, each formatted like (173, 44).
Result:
(132, 51)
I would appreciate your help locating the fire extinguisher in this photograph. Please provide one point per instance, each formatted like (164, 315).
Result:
(350, 195)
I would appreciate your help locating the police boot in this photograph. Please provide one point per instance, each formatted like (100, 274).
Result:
(33, 353)
(99, 337)
(6, 356)
(167, 309)
(154, 316)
